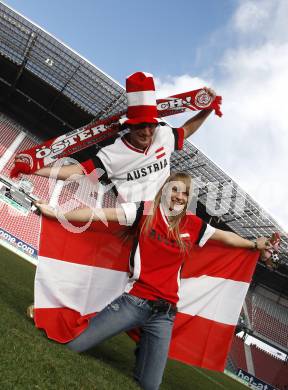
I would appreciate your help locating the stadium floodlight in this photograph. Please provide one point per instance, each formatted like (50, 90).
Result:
(49, 62)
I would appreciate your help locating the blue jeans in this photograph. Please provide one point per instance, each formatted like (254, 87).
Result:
(124, 313)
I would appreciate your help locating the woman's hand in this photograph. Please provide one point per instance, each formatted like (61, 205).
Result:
(269, 254)
(263, 243)
(46, 209)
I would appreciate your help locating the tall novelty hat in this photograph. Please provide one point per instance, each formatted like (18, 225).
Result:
(142, 106)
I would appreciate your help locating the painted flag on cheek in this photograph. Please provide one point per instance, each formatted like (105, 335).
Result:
(79, 274)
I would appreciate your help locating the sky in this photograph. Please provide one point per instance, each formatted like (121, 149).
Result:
(237, 47)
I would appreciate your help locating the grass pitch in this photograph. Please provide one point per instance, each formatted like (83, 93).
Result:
(30, 361)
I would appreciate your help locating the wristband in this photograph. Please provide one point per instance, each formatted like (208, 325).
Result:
(130, 211)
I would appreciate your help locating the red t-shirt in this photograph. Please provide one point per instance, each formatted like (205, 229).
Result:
(156, 258)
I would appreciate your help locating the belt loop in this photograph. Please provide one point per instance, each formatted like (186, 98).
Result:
(169, 307)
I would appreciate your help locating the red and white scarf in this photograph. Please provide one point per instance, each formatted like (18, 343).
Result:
(30, 160)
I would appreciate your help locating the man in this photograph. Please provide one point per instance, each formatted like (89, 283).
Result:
(139, 162)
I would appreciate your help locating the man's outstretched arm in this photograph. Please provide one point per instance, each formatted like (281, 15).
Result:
(194, 123)
(63, 173)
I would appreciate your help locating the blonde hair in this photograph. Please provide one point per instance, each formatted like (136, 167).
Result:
(174, 231)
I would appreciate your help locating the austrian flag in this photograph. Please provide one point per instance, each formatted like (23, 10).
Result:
(79, 274)
(160, 152)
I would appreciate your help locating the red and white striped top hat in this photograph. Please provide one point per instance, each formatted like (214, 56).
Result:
(142, 107)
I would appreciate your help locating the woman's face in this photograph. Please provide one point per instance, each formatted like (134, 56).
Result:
(179, 196)
(175, 196)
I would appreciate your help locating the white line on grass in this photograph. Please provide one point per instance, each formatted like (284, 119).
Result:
(209, 378)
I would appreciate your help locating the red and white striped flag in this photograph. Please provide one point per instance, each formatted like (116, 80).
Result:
(79, 274)
(160, 152)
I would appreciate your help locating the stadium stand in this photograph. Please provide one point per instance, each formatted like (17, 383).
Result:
(24, 227)
(48, 90)
(266, 367)
(237, 353)
(270, 369)
(268, 319)
(8, 133)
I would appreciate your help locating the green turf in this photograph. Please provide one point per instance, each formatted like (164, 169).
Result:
(30, 361)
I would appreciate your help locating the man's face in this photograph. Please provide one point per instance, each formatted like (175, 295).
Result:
(141, 134)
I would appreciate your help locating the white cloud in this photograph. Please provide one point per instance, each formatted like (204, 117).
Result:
(252, 16)
(250, 142)
(261, 19)
(173, 85)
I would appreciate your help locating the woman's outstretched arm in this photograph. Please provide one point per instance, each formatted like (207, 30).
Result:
(234, 240)
(83, 215)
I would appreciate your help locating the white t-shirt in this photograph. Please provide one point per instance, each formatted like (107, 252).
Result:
(138, 174)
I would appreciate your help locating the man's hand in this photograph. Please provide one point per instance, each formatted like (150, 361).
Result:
(46, 209)
(210, 92)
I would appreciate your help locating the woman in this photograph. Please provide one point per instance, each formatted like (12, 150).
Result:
(163, 236)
